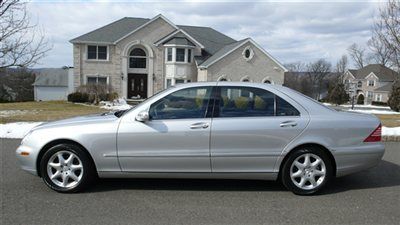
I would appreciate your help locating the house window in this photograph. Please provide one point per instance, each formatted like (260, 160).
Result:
(180, 55)
(169, 54)
(95, 80)
(179, 81)
(137, 58)
(169, 83)
(248, 53)
(96, 52)
(359, 84)
(378, 97)
(371, 83)
(189, 57)
(370, 94)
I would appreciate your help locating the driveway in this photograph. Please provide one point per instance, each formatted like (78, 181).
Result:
(370, 197)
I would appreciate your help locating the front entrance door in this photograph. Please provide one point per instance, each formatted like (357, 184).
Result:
(137, 85)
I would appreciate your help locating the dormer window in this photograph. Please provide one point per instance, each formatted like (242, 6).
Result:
(97, 52)
(371, 83)
(180, 55)
(169, 54)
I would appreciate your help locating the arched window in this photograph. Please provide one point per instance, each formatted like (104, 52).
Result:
(267, 81)
(245, 80)
(359, 84)
(137, 58)
(223, 79)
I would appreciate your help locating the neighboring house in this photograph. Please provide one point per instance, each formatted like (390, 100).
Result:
(53, 84)
(372, 83)
(139, 57)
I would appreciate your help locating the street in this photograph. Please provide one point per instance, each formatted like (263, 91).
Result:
(370, 197)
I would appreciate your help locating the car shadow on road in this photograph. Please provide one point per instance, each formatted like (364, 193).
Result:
(386, 174)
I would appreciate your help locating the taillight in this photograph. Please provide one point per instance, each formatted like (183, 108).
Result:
(375, 136)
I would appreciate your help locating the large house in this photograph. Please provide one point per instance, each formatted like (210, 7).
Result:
(371, 83)
(139, 57)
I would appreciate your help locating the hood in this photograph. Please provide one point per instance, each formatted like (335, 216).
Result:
(89, 119)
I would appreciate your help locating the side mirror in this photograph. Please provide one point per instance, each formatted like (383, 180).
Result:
(142, 116)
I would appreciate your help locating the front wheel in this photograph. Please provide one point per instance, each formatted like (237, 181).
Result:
(67, 168)
(306, 171)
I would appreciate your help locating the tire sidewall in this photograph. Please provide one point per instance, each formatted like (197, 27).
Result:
(286, 179)
(86, 163)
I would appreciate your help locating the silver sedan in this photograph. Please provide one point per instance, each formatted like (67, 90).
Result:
(219, 130)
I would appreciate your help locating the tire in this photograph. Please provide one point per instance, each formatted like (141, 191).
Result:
(303, 178)
(70, 166)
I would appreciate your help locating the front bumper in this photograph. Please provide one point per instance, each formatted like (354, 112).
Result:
(357, 158)
(27, 162)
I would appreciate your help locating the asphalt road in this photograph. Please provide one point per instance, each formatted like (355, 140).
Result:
(370, 197)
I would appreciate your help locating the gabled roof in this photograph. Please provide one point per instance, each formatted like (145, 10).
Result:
(382, 72)
(232, 47)
(112, 32)
(221, 53)
(385, 88)
(51, 77)
(211, 39)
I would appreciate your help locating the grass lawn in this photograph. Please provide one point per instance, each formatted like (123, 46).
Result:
(43, 111)
(391, 120)
(53, 110)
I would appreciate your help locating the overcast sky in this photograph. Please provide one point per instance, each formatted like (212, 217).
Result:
(291, 31)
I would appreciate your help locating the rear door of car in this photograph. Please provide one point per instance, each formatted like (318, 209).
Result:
(251, 127)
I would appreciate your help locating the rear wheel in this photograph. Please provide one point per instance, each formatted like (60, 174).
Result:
(306, 171)
(67, 168)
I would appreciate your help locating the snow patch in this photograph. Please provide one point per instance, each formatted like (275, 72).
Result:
(367, 106)
(16, 130)
(118, 104)
(8, 113)
(390, 131)
(373, 111)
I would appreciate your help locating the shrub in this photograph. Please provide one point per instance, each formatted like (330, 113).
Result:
(98, 92)
(108, 96)
(337, 94)
(78, 97)
(379, 103)
(242, 102)
(394, 98)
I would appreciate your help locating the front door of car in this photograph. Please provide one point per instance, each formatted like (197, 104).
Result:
(250, 129)
(174, 139)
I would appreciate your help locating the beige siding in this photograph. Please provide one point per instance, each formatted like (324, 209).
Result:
(234, 67)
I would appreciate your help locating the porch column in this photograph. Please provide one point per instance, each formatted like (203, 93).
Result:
(124, 83)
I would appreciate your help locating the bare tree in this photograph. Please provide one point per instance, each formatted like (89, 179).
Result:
(317, 71)
(22, 43)
(358, 54)
(380, 54)
(387, 29)
(293, 78)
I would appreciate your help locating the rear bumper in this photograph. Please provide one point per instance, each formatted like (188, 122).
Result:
(357, 158)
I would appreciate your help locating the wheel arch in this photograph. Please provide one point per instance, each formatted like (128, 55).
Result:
(56, 142)
(305, 145)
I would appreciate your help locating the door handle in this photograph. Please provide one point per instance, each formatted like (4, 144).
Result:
(200, 125)
(288, 124)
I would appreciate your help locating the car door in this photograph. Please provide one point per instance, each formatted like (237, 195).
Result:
(251, 127)
(174, 139)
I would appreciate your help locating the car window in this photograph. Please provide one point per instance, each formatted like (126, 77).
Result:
(182, 104)
(252, 102)
(283, 108)
(246, 102)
